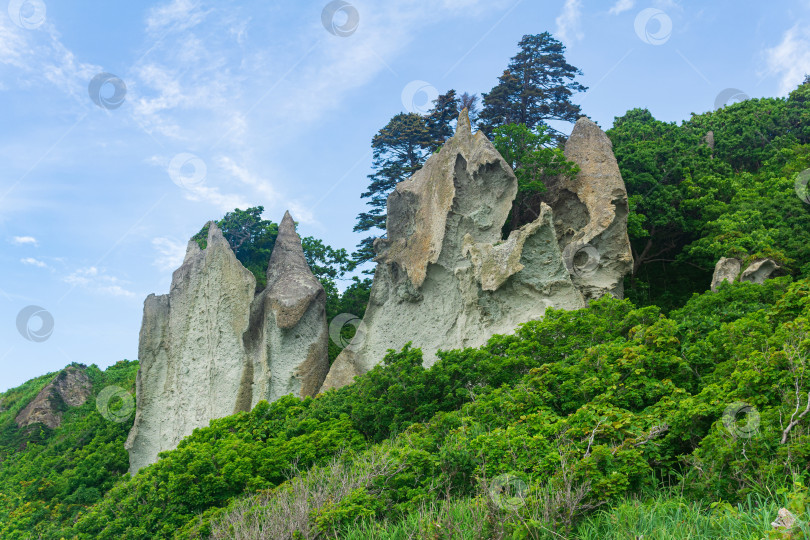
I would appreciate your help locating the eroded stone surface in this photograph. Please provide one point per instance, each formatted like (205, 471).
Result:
(211, 347)
(726, 269)
(729, 269)
(71, 387)
(445, 278)
(591, 210)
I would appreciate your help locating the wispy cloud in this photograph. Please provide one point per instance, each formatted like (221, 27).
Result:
(621, 6)
(568, 22)
(24, 240)
(33, 262)
(91, 278)
(790, 60)
(170, 253)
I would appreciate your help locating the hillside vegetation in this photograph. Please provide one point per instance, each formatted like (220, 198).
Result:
(674, 413)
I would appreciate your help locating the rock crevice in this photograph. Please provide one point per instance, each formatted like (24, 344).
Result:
(446, 279)
(212, 347)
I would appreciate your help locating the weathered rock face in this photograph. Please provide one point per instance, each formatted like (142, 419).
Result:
(730, 269)
(288, 339)
(446, 279)
(590, 214)
(70, 388)
(211, 347)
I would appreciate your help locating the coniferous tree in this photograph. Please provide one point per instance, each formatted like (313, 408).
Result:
(444, 112)
(400, 149)
(536, 87)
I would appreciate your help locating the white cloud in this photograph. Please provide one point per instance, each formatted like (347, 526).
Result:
(23, 240)
(33, 262)
(621, 6)
(41, 56)
(790, 60)
(568, 23)
(170, 253)
(97, 281)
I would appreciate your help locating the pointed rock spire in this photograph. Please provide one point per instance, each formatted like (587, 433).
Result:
(291, 283)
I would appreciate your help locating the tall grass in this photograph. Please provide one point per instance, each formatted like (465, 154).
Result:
(663, 516)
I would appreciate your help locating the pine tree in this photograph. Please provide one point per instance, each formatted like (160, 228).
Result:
(444, 112)
(400, 148)
(536, 87)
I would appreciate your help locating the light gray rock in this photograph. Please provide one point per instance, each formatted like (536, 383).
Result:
(211, 347)
(288, 339)
(759, 271)
(726, 269)
(71, 387)
(191, 351)
(590, 214)
(445, 278)
(729, 269)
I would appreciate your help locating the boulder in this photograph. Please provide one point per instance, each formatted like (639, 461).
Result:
(446, 278)
(70, 388)
(590, 214)
(759, 271)
(729, 269)
(212, 347)
(726, 269)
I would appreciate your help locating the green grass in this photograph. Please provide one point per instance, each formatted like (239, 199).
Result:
(665, 516)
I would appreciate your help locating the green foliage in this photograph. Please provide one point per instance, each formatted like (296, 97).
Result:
(529, 154)
(719, 185)
(49, 477)
(536, 86)
(251, 238)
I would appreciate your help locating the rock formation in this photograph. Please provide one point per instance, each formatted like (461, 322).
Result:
(729, 269)
(70, 388)
(446, 278)
(590, 214)
(212, 347)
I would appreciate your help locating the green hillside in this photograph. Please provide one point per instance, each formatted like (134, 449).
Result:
(675, 413)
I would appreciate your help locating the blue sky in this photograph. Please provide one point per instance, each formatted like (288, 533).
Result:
(235, 104)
